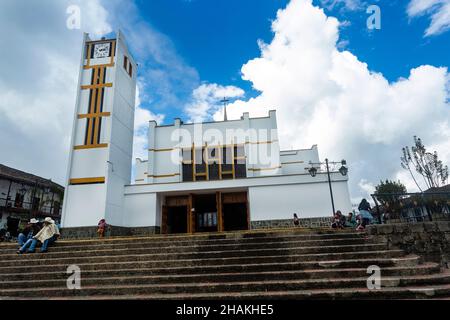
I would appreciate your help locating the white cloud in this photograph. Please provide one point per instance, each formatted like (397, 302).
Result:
(206, 100)
(142, 117)
(348, 4)
(331, 98)
(438, 10)
(40, 64)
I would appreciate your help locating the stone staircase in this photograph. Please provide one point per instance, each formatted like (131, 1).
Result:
(277, 264)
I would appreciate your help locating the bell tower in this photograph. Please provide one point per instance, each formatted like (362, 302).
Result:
(102, 135)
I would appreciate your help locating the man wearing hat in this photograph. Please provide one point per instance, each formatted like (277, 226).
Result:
(48, 235)
(28, 232)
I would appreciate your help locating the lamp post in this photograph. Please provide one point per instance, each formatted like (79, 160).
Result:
(343, 170)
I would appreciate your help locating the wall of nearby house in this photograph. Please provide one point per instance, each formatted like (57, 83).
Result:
(47, 200)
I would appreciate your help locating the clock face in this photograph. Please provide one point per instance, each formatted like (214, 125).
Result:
(101, 50)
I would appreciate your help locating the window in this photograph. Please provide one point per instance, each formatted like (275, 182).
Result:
(214, 163)
(35, 204)
(188, 169)
(201, 170)
(240, 162)
(56, 207)
(125, 62)
(128, 66)
(18, 202)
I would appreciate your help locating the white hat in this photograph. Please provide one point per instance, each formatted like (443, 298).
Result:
(33, 221)
(49, 220)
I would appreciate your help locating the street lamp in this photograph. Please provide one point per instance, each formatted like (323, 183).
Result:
(343, 171)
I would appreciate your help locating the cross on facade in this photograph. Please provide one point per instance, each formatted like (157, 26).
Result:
(225, 103)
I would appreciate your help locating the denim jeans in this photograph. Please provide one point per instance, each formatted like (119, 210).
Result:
(32, 243)
(22, 239)
(47, 243)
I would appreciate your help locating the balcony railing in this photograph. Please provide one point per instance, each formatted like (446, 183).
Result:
(35, 209)
(412, 207)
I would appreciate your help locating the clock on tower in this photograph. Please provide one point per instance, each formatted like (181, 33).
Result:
(101, 50)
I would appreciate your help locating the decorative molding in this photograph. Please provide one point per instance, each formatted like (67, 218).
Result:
(293, 162)
(262, 142)
(97, 86)
(264, 169)
(79, 181)
(94, 115)
(91, 146)
(163, 175)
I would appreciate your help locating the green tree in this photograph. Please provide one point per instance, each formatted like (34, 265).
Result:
(387, 187)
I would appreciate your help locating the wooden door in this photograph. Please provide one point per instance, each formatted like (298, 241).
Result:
(191, 215)
(220, 226)
(164, 214)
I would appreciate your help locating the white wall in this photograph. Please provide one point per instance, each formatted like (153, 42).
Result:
(295, 161)
(307, 200)
(140, 210)
(86, 205)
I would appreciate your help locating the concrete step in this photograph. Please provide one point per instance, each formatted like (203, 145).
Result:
(238, 287)
(435, 292)
(252, 264)
(209, 238)
(202, 245)
(196, 252)
(143, 276)
(233, 257)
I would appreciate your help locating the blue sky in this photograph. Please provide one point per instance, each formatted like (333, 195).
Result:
(218, 37)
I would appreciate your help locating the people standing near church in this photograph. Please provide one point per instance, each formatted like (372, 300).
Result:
(296, 220)
(102, 228)
(47, 236)
(32, 228)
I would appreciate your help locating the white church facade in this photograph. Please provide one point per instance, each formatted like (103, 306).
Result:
(198, 177)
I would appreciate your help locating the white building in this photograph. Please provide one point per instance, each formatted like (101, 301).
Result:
(24, 196)
(213, 176)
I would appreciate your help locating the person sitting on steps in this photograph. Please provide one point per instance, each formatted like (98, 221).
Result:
(338, 221)
(48, 235)
(32, 228)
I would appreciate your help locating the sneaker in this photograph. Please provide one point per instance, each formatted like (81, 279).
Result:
(19, 252)
(44, 251)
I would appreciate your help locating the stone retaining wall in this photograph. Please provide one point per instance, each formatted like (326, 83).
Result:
(430, 240)
(91, 232)
(112, 231)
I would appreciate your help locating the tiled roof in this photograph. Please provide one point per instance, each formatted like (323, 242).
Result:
(21, 176)
(440, 189)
